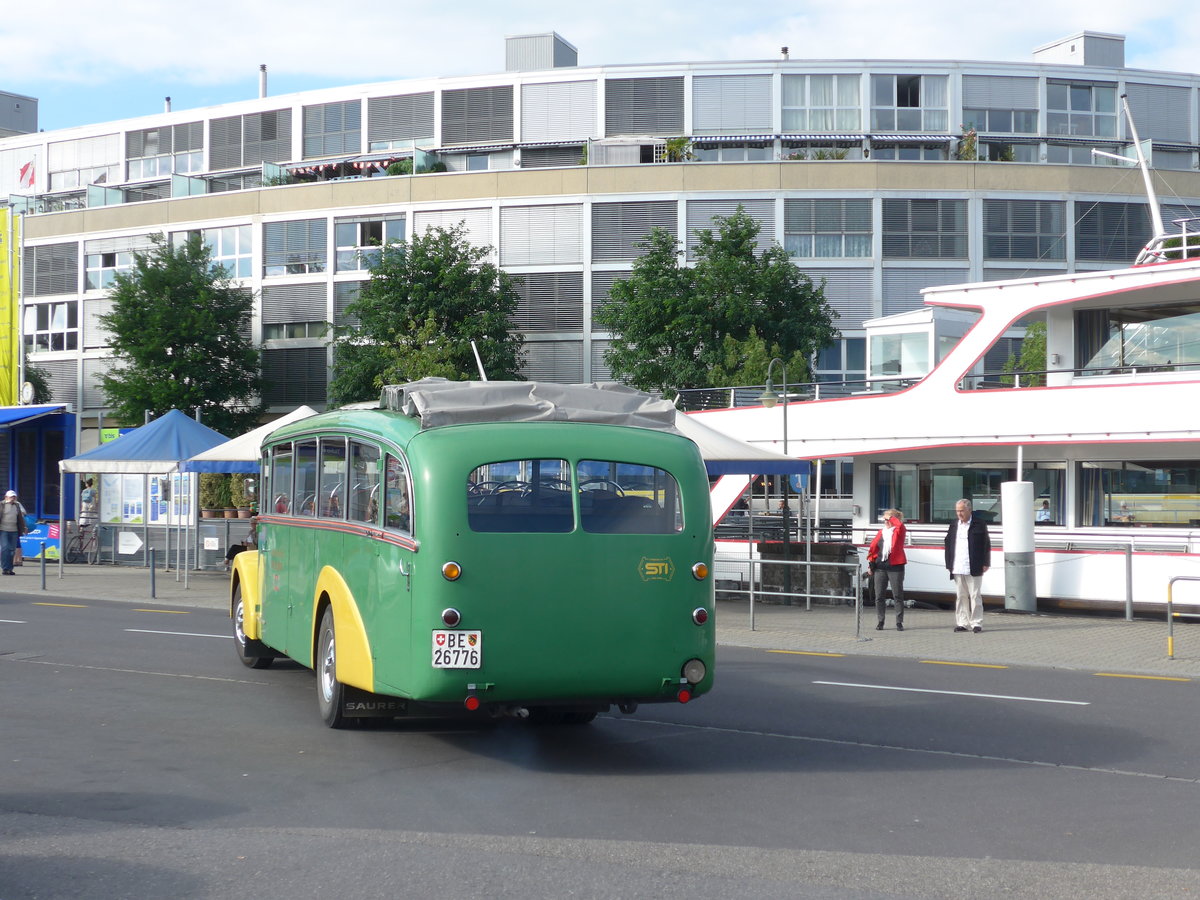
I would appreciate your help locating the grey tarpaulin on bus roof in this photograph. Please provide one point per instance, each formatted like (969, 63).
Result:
(437, 402)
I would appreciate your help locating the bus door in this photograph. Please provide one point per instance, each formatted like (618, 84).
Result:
(274, 561)
(321, 487)
(396, 554)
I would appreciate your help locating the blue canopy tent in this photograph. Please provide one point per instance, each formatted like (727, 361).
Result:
(154, 449)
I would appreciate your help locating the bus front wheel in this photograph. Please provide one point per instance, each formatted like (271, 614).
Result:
(330, 691)
(241, 643)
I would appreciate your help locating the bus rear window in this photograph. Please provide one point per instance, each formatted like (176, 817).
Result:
(624, 498)
(521, 495)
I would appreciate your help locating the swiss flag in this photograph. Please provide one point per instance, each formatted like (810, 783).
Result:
(25, 175)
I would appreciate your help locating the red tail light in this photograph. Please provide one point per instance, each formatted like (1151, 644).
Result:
(471, 703)
(684, 695)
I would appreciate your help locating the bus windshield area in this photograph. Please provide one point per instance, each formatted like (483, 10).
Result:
(538, 496)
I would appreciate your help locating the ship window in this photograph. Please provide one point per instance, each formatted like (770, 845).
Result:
(1153, 493)
(1156, 339)
(927, 492)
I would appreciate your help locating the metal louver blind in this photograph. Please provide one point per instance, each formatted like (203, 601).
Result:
(295, 375)
(94, 334)
(561, 111)
(602, 283)
(1171, 212)
(541, 235)
(1111, 232)
(62, 377)
(93, 392)
(851, 293)
(998, 274)
(331, 128)
(1161, 111)
(731, 104)
(345, 293)
(902, 287)
(548, 157)
(225, 143)
(827, 216)
(268, 137)
(300, 242)
(52, 269)
(477, 222)
(924, 229)
(550, 301)
(477, 115)
(294, 303)
(617, 228)
(407, 117)
(187, 136)
(643, 106)
(601, 371)
(700, 214)
(557, 361)
(137, 243)
(999, 92)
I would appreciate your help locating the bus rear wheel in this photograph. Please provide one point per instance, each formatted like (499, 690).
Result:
(330, 692)
(240, 642)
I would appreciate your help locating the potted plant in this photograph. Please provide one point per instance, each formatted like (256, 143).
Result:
(241, 494)
(210, 495)
(225, 497)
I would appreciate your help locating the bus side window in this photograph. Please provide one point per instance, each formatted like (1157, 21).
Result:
(304, 500)
(398, 509)
(330, 502)
(364, 483)
(281, 478)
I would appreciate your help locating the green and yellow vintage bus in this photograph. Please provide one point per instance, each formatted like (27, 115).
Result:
(488, 548)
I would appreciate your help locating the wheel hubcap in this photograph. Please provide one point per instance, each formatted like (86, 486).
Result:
(327, 669)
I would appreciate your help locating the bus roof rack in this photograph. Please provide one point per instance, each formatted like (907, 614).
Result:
(438, 402)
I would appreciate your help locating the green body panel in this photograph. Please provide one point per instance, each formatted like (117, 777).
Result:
(565, 617)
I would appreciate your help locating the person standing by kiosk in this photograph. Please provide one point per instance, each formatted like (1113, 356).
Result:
(886, 561)
(12, 526)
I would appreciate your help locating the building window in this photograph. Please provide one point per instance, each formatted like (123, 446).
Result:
(843, 360)
(909, 103)
(295, 375)
(1001, 121)
(1024, 229)
(74, 164)
(757, 151)
(911, 152)
(395, 122)
(358, 241)
(103, 268)
(925, 229)
(284, 330)
(1111, 232)
(1081, 109)
(1077, 155)
(294, 248)
(821, 103)
(51, 326)
(477, 115)
(827, 229)
(157, 152)
(995, 151)
(230, 247)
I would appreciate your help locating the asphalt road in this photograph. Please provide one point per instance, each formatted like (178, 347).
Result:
(139, 759)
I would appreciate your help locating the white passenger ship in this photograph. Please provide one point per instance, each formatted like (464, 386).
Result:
(1109, 435)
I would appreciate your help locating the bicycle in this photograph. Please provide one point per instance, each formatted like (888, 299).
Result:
(83, 546)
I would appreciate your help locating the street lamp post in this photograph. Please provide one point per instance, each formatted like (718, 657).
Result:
(769, 398)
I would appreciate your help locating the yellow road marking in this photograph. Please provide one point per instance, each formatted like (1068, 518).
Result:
(171, 612)
(1146, 677)
(71, 605)
(943, 662)
(808, 653)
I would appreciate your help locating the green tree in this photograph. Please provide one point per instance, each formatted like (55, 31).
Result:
(40, 380)
(425, 301)
(747, 362)
(1031, 359)
(180, 335)
(670, 323)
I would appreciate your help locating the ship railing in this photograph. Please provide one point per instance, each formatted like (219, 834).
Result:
(1172, 247)
(739, 396)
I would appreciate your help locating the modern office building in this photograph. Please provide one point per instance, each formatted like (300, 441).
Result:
(880, 177)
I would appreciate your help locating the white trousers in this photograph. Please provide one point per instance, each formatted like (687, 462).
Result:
(968, 601)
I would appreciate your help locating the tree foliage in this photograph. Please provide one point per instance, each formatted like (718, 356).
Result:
(180, 334)
(425, 301)
(1032, 357)
(675, 327)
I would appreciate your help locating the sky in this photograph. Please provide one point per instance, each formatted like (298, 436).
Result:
(88, 62)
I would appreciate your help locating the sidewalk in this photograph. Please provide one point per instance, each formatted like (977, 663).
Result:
(1085, 643)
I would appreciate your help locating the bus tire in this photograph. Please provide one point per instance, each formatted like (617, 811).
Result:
(331, 693)
(241, 643)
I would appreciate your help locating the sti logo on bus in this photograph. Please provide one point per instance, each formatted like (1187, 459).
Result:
(656, 569)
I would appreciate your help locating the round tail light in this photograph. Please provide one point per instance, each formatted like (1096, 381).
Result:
(471, 703)
(700, 571)
(699, 615)
(694, 671)
(451, 616)
(451, 570)
(684, 695)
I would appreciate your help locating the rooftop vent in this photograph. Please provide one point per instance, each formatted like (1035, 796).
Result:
(1084, 48)
(532, 52)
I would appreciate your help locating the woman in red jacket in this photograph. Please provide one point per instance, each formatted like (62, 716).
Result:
(885, 562)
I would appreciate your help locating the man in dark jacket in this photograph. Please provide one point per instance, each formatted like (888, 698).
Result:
(968, 556)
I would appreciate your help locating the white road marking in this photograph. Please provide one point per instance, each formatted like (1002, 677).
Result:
(13, 622)
(63, 665)
(884, 687)
(228, 637)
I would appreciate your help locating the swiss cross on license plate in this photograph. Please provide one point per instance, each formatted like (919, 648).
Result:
(457, 649)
